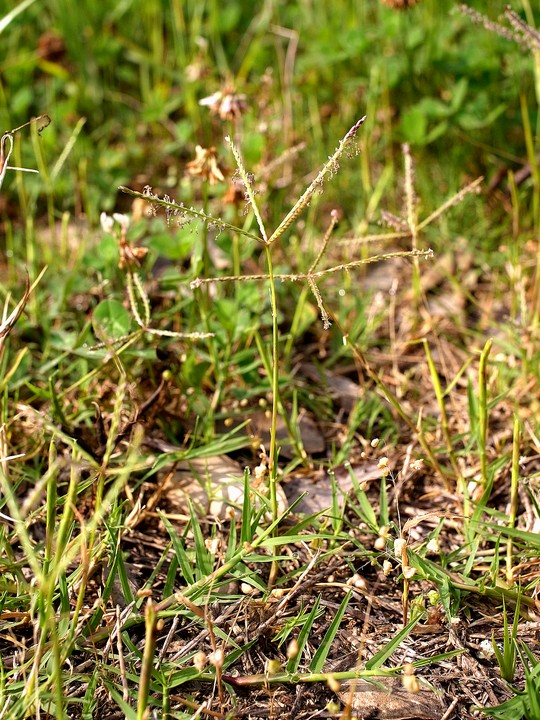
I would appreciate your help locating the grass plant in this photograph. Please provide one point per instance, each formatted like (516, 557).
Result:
(268, 432)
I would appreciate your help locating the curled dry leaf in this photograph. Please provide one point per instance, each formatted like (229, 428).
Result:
(318, 487)
(312, 440)
(214, 484)
(9, 322)
(437, 514)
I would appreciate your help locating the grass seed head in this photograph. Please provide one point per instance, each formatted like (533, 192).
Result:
(292, 649)
(333, 684)
(200, 660)
(273, 667)
(409, 679)
(217, 658)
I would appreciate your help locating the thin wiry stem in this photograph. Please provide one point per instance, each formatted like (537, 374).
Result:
(479, 19)
(382, 237)
(318, 298)
(326, 239)
(248, 187)
(272, 464)
(411, 214)
(134, 283)
(525, 33)
(183, 210)
(473, 186)
(311, 276)
(181, 335)
(311, 282)
(320, 273)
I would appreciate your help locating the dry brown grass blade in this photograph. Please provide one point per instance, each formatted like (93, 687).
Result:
(427, 516)
(9, 322)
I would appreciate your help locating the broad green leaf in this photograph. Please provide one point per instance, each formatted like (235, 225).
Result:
(111, 320)
(414, 126)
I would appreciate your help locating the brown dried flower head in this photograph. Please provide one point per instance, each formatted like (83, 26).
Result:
(130, 255)
(226, 103)
(205, 165)
(399, 4)
(235, 194)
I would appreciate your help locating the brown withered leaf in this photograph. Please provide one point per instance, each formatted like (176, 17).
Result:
(212, 484)
(386, 699)
(312, 439)
(318, 486)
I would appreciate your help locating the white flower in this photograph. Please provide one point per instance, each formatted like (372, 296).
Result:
(107, 222)
(122, 220)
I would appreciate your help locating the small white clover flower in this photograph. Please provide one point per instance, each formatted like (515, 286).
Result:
(122, 220)
(107, 223)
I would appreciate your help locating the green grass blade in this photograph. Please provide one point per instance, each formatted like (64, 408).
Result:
(129, 712)
(90, 701)
(10, 16)
(384, 516)
(384, 653)
(303, 636)
(320, 656)
(246, 531)
(181, 555)
(203, 559)
(365, 509)
(168, 588)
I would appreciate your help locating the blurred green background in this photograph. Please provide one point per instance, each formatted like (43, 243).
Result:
(122, 82)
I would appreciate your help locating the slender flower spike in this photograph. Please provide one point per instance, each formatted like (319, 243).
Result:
(329, 168)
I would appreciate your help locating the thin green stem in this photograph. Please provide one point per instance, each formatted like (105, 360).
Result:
(483, 410)
(272, 464)
(444, 415)
(204, 235)
(514, 498)
(183, 210)
(151, 620)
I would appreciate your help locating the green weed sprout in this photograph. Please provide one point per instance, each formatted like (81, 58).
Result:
(506, 657)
